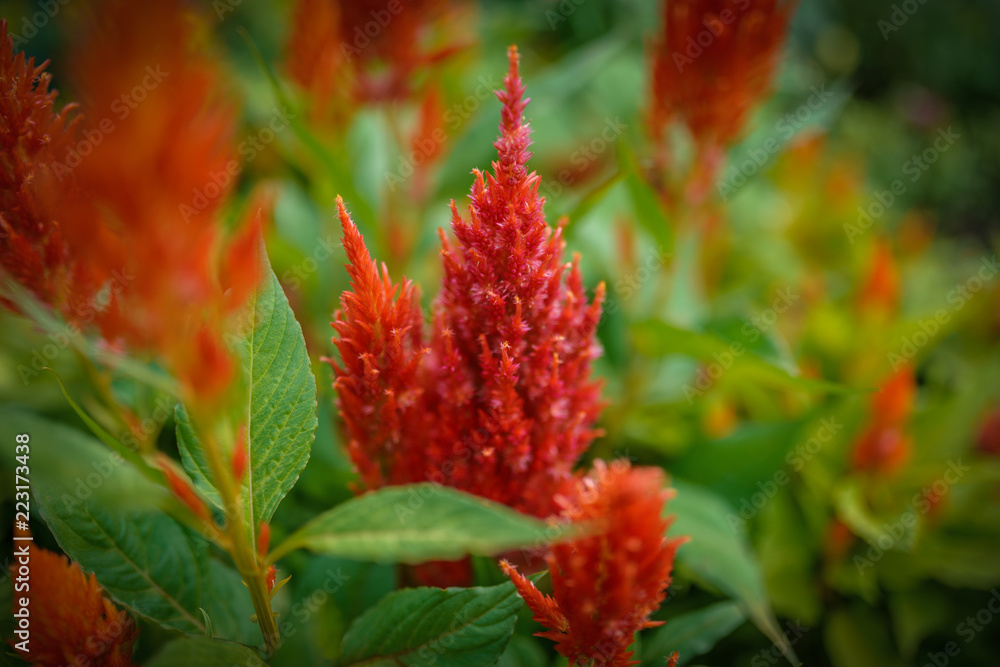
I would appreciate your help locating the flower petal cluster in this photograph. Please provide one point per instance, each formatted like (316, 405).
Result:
(498, 399)
(72, 622)
(713, 61)
(135, 198)
(884, 445)
(32, 133)
(605, 585)
(347, 54)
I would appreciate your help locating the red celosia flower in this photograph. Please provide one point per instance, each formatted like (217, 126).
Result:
(72, 623)
(988, 441)
(351, 53)
(884, 445)
(606, 585)
(32, 134)
(713, 61)
(138, 196)
(500, 401)
(880, 291)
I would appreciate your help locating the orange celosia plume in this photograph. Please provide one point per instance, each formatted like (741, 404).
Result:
(714, 60)
(32, 133)
(606, 585)
(135, 198)
(352, 53)
(72, 623)
(884, 445)
(499, 401)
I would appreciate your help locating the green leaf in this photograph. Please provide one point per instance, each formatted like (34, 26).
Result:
(452, 627)
(145, 561)
(719, 554)
(692, 634)
(103, 514)
(281, 410)
(655, 338)
(205, 653)
(417, 523)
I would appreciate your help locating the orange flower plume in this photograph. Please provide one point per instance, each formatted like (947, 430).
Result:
(713, 62)
(606, 585)
(72, 622)
(884, 445)
(499, 401)
(137, 196)
(351, 53)
(32, 133)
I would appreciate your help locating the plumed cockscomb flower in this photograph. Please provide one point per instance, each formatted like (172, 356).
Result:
(135, 201)
(605, 585)
(72, 622)
(499, 400)
(884, 445)
(346, 54)
(34, 250)
(713, 61)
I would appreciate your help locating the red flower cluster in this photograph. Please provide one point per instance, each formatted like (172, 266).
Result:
(499, 401)
(123, 192)
(72, 622)
(350, 53)
(713, 62)
(606, 585)
(32, 134)
(884, 446)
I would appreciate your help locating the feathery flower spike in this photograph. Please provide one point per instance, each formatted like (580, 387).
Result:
(606, 585)
(499, 402)
(72, 621)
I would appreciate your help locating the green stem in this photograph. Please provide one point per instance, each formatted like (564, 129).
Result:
(243, 551)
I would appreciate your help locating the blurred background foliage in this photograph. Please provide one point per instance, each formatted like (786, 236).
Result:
(766, 441)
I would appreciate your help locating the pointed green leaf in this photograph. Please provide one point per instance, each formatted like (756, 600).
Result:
(692, 634)
(452, 627)
(205, 653)
(719, 554)
(281, 409)
(416, 523)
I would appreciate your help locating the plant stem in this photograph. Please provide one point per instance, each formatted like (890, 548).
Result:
(242, 549)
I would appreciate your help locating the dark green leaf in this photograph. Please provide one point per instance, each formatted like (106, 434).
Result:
(692, 634)
(452, 627)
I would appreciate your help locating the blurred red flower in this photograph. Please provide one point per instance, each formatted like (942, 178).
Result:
(713, 62)
(32, 133)
(606, 585)
(499, 402)
(132, 201)
(72, 622)
(884, 445)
